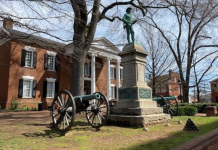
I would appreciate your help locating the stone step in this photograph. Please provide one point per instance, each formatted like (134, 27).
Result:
(141, 120)
(136, 103)
(136, 111)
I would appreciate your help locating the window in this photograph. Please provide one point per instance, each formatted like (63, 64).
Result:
(27, 87)
(121, 73)
(28, 57)
(113, 91)
(112, 72)
(170, 89)
(175, 81)
(50, 87)
(157, 89)
(50, 61)
(86, 69)
(163, 88)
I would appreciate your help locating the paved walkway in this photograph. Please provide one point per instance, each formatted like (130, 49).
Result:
(208, 141)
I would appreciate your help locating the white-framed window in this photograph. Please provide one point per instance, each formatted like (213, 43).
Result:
(27, 86)
(50, 87)
(112, 91)
(29, 59)
(157, 89)
(112, 71)
(170, 88)
(121, 73)
(28, 56)
(51, 60)
(175, 81)
(86, 69)
(163, 88)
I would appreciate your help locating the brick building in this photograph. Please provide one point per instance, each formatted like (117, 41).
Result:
(167, 85)
(214, 91)
(33, 68)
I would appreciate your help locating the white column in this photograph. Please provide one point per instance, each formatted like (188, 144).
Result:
(108, 80)
(93, 73)
(118, 76)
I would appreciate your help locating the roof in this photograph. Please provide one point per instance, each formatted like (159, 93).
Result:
(32, 39)
(163, 79)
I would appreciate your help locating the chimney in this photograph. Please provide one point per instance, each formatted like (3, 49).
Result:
(8, 23)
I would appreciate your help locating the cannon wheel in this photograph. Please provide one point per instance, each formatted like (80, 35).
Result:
(98, 111)
(161, 102)
(63, 111)
(173, 107)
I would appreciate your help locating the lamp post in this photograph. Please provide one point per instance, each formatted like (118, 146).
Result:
(180, 87)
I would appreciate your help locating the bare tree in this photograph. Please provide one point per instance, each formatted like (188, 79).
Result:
(83, 14)
(160, 58)
(188, 29)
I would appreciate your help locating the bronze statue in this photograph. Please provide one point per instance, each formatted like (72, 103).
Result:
(127, 23)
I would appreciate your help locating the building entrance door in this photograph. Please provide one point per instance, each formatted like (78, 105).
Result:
(87, 87)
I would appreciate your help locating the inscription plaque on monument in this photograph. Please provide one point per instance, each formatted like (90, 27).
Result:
(128, 93)
(145, 93)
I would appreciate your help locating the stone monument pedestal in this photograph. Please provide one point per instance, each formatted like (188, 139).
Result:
(135, 105)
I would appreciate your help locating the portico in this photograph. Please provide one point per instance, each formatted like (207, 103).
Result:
(102, 68)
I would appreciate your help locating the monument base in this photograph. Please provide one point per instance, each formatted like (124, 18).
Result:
(140, 120)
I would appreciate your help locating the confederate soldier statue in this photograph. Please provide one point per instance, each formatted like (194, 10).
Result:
(127, 23)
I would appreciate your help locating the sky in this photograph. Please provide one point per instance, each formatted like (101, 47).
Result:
(62, 27)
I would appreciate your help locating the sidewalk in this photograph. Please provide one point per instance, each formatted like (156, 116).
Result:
(208, 141)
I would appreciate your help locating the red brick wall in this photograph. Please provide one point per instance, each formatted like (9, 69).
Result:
(4, 72)
(214, 91)
(16, 72)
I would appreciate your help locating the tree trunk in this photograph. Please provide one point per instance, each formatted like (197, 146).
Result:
(198, 94)
(185, 93)
(77, 78)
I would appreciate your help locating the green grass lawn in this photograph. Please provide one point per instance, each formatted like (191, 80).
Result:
(36, 136)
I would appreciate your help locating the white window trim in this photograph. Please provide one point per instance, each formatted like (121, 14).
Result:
(170, 88)
(175, 80)
(112, 66)
(51, 80)
(113, 85)
(29, 78)
(51, 53)
(30, 49)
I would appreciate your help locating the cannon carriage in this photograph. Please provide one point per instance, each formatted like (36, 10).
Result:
(65, 106)
(169, 104)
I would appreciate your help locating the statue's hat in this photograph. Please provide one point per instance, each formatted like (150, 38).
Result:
(129, 8)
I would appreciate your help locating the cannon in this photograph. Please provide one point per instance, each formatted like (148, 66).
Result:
(169, 104)
(65, 106)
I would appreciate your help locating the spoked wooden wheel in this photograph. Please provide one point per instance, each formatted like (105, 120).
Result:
(63, 111)
(173, 107)
(98, 111)
(161, 102)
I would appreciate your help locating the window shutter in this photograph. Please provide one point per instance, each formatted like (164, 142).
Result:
(34, 59)
(56, 87)
(114, 73)
(20, 90)
(115, 91)
(34, 89)
(46, 61)
(44, 88)
(56, 62)
(23, 56)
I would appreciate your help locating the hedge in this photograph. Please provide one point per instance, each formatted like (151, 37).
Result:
(186, 111)
(200, 106)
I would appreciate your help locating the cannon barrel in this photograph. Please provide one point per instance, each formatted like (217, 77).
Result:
(166, 98)
(88, 97)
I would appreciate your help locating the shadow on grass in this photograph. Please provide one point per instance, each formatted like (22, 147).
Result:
(77, 126)
(175, 138)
